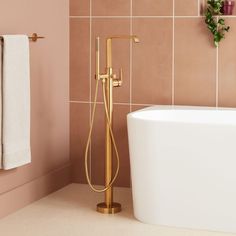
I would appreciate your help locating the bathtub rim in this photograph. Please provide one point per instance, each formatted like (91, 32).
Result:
(230, 120)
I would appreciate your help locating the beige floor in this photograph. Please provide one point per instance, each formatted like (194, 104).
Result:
(70, 212)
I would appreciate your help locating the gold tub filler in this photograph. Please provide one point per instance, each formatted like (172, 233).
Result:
(109, 80)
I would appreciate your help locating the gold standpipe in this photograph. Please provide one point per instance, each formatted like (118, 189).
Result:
(109, 80)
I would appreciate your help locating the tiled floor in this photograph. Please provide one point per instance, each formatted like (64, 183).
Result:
(70, 212)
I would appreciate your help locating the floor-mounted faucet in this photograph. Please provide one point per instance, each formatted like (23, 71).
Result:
(109, 80)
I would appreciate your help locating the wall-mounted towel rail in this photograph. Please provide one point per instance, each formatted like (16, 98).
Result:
(34, 37)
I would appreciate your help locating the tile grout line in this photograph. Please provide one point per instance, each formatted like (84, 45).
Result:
(118, 103)
(198, 7)
(131, 63)
(90, 89)
(110, 17)
(82, 102)
(217, 75)
(173, 57)
(131, 56)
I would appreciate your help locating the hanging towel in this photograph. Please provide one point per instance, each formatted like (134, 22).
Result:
(15, 102)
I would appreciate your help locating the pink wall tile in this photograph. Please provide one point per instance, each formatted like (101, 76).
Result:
(98, 145)
(79, 59)
(152, 61)
(153, 7)
(121, 135)
(110, 8)
(79, 7)
(195, 64)
(227, 67)
(79, 128)
(186, 7)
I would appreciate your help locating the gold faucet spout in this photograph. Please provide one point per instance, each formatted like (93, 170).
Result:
(132, 37)
(109, 45)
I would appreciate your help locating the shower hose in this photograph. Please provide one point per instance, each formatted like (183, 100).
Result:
(109, 185)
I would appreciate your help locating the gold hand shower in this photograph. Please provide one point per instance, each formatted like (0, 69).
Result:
(109, 81)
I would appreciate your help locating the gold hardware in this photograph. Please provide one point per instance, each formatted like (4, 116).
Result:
(117, 82)
(109, 80)
(33, 38)
(114, 208)
(97, 75)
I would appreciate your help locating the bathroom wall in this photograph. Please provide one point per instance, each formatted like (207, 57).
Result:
(49, 58)
(175, 63)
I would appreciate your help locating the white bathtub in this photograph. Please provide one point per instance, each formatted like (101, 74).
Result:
(183, 166)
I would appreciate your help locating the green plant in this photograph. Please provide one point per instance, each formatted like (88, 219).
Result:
(215, 25)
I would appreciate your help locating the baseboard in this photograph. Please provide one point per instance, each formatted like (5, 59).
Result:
(25, 194)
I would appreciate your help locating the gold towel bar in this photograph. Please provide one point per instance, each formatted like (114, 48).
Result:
(34, 37)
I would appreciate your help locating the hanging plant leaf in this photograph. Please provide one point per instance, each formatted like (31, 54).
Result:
(217, 28)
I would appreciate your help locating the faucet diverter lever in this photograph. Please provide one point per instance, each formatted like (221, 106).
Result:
(117, 82)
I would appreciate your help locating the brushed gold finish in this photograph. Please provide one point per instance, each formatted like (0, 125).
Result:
(97, 58)
(118, 82)
(109, 80)
(34, 37)
(112, 209)
(103, 78)
(108, 153)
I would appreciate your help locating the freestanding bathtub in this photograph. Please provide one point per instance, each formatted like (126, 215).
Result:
(183, 166)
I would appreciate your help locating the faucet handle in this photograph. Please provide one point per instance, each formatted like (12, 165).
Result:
(118, 82)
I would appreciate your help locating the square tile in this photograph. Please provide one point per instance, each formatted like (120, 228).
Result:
(98, 145)
(79, 8)
(227, 67)
(79, 128)
(110, 8)
(79, 59)
(195, 63)
(152, 61)
(121, 136)
(186, 7)
(153, 7)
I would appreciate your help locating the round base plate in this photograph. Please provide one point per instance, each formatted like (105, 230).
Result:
(114, 208)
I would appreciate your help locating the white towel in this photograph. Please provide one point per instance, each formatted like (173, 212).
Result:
(15, 102)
